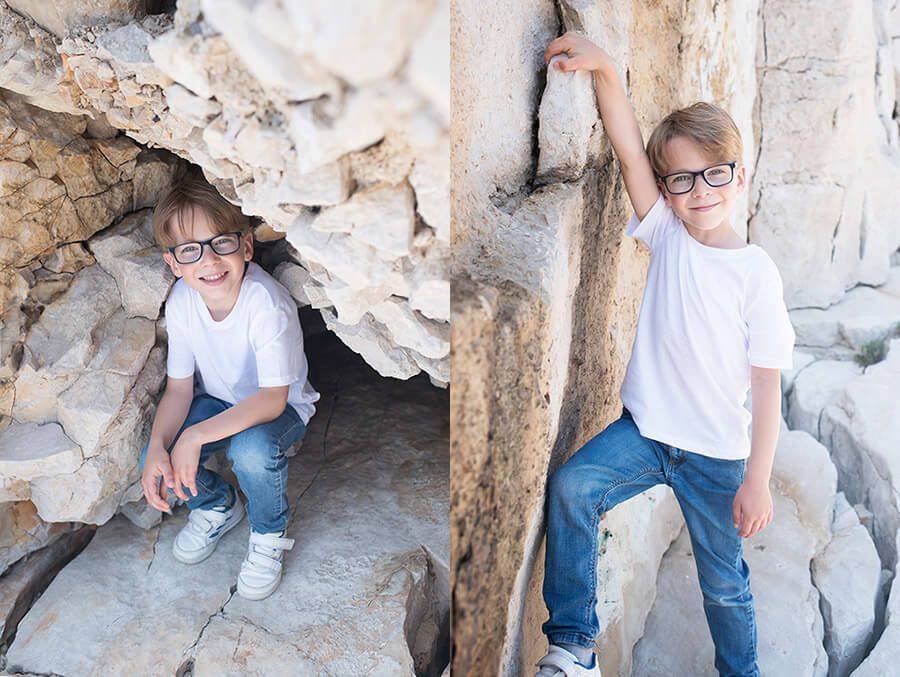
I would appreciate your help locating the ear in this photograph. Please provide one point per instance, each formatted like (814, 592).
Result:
(741, 176)
(665, 193)
(173, 264)
(247, 245)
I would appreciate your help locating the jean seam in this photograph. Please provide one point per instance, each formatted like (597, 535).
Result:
(596, 541)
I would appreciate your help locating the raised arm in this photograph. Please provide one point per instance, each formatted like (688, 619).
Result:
(618, 117)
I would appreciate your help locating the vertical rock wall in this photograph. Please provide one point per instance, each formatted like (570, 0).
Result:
(546, 295)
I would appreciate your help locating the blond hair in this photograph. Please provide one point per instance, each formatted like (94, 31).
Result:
(174, 214)
(710, 127)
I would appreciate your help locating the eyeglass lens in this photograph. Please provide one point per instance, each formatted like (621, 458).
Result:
(189, 252)
(715, 176)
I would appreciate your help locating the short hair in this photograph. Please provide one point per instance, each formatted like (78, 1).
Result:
(175, 211)
(710, 127)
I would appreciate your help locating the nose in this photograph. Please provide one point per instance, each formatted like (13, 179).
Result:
(700, 188)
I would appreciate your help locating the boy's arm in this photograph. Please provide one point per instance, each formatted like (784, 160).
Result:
(753, 502)
(264, 405)
(618, 117)
(170, 414)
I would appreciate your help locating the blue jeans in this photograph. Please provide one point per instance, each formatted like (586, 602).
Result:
(258, 461)
(614, 466)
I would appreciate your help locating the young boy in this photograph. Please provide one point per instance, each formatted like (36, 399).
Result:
(712, 323)
(237, 328)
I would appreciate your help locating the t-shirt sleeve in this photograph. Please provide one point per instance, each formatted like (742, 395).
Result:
(277, 343)
(771, 336)
(657, 224)
(180, 357)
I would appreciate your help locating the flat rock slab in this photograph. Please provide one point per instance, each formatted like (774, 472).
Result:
(369, 492)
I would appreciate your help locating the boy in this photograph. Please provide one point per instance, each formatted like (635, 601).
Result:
(712, 323)
(238, 329)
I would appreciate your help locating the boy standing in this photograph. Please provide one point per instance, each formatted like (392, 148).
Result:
(712, 323)
(234, 326)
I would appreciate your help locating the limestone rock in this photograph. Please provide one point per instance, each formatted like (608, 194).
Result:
(60, 19)
(28, 451)
(816, 81)
(801, 360)
(23, 531)
(816, 387)
(863, 315)
(883, 657)
(568, 117)
(383, 217)
(129, 253)
(848, 577)
(863, 433)
(27, 579)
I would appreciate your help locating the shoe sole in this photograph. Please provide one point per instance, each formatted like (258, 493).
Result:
(187, 559)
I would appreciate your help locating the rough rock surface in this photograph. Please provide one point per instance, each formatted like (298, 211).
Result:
(848, 577)
(815, 68)
(373, 601)
(545, 301)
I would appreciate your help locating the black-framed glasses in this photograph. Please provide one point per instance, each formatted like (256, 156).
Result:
(191, 252)
(716, 176)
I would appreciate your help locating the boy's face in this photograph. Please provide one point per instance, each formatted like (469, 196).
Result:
(704, 208)
(215, 277)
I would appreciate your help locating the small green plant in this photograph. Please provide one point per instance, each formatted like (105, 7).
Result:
(875, 351)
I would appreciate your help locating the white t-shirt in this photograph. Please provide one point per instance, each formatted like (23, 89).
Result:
(258, 345)
(707, 315)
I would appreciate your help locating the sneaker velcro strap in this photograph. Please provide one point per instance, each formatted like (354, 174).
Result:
(560, 659)
(257, 559)
(271, 541)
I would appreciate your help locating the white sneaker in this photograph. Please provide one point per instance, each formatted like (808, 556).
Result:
(261, 569)
(198, 538)
(560, 663)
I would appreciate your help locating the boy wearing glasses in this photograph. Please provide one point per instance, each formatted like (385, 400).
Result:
(235, 328)
(712, 324)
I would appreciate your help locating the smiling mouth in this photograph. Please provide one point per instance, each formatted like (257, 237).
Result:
(705, 208)
(216, 277)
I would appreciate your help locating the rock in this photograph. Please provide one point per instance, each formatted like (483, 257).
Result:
(848, 577)
(28, 578)
(383, 217)
(129, 253)
(863, 433)
(29, 451)
(568, 117)
(406, 328)
(365, 339)
(863, 315)
(816, 387)
(429, 61)
(23, 531)
(813, 495)
(430, 177)
(882, 659)
(816, 79)
(60, 19)
(801, 360)
(358, 600)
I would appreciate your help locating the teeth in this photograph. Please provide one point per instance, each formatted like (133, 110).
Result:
(213, 278)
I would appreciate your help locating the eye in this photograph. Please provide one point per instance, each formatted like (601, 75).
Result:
(715, 171)
(188, 249)
(680, 178)
(225, 240)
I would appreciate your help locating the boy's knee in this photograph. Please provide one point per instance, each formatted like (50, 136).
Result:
(564, 484)
(252, 450)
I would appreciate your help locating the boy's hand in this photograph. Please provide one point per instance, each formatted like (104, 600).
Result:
(752, 507)
(581, 53)
(157, 465)
(185, 460)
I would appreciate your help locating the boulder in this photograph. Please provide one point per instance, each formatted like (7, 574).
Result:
(817, 386)
(848, 577)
